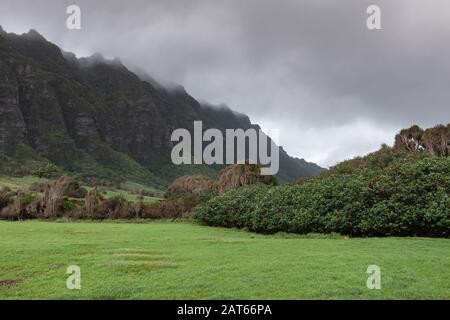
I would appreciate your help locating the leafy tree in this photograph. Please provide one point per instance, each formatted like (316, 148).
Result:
(409, 139)
(437, 140)
(48, 171)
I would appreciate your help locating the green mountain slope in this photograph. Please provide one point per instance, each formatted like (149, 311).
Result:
(96, 119)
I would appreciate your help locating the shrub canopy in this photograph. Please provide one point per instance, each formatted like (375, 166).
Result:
(407, 196)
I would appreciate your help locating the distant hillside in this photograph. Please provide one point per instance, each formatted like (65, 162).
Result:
(96, 119)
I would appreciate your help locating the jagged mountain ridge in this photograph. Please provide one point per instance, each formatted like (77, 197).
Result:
(96, 118)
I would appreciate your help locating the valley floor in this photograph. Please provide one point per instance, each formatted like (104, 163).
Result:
(166, 260)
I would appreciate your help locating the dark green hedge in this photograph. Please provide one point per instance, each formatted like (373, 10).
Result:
(409, 197)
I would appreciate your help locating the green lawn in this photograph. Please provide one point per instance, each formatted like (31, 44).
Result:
(129, 196)
(166, 260)
(15, 183)
(129, 192)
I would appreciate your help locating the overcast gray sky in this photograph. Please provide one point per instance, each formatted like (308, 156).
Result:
(309, 68)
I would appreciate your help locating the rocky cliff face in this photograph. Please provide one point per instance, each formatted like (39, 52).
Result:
(97, 119)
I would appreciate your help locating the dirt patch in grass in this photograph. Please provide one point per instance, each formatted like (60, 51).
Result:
(142, 259)
(138, 251)
(227, 241)
(58, 266)
(139, 266)
(6, 284)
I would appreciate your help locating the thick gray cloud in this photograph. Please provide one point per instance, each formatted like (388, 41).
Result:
(310, 68)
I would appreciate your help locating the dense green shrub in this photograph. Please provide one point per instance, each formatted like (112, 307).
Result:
(6, 197)
(408, 197)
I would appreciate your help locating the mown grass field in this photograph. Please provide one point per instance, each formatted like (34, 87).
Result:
(15, 183)
(129, 189)
(129, 196)
(167, 260)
